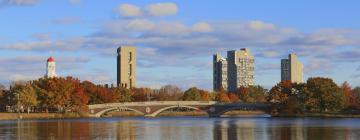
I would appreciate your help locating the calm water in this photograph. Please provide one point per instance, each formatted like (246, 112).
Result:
(183, 128)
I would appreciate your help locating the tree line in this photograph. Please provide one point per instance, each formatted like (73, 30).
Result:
(70, 94)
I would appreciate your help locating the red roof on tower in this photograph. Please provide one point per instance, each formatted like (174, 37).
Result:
(51, 59)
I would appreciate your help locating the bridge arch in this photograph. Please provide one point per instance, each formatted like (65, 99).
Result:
(154, 114)
(222, 112)
(117, 108)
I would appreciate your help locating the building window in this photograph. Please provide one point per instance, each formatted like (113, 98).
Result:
(130, 56)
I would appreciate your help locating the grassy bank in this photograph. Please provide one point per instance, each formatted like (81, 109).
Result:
(15, 116)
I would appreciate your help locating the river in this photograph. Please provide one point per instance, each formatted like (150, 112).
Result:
(183, 128)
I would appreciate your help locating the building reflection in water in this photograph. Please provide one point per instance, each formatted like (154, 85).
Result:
(182, 129)
(292, 129)
(238, 130)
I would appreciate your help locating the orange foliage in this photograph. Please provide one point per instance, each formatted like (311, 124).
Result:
(350, 99)
(205, 96)
(222, 97)
(233, 97)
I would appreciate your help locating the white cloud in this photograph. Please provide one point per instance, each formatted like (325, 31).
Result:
(202, 27)
(259, 25)
(270, 53)
(19, 2)
(162, 9)
(157, 9)
(128, 10)
(181, 44)
(139, 24)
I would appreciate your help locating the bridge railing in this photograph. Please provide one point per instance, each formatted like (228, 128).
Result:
(153, 103)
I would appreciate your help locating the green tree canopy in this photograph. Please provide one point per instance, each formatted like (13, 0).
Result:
(192, 94)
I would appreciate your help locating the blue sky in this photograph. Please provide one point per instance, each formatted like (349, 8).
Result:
(176, 39)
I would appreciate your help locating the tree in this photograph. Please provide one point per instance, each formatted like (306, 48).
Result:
(91, 90)
(25, 96)
(45, 90)
(60, 93)
(280, 92)
(124, 94)
(243, 93)
(172, 92)
(204, 95)
(291, 106)
(233, 97)
(99, 94)
(192, 94)
(140, 94)
(4, 101)
(356, 92)
(222, 97)
(78, 97)
(326, 94)
(258, 93)
(346, 89)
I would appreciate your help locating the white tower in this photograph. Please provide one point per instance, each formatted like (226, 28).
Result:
(50, 71)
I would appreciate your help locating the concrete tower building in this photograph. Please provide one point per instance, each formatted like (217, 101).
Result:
(126, 66)
(292, 69)
(220, 72)
(50, 68)
(240, 68)
(235, 71)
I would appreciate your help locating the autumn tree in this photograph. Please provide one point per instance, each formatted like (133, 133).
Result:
(99, 94)
(222, 96)
(45, 89)
(78, 99)
(280, 92)
(258, 93)
(349, 98)
(233, 97)
(124, 94)
(243, 93)
(204, 95)
(4, 101)
(171, 92)
(356, 92)
(60, 93)
(192, 94)
(140, 94)
(326, 94)
(25, 96)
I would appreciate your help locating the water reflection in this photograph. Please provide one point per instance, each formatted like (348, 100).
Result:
(183, 128)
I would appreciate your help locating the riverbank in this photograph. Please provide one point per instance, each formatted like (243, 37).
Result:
(320, 115)
(15, 116)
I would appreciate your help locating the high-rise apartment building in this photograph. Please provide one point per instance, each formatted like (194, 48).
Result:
(292, 69)
(239, 66)
(220, 72)
(126, 66)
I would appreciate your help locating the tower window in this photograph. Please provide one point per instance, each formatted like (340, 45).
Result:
(130, 56)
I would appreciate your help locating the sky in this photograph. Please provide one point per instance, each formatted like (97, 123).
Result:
(176, 39)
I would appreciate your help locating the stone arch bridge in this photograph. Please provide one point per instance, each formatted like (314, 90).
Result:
(153, 108)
